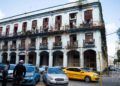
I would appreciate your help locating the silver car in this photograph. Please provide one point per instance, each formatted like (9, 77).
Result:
(55, 76)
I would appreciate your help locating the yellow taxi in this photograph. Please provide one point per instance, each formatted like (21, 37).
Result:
(81, 74)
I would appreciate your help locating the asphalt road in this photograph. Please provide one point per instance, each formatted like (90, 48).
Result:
(112, 80)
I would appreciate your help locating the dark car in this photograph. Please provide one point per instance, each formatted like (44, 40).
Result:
(32, 76)
(10, 72)
(2, 66)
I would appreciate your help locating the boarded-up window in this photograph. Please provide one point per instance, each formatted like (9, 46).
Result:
(1, 31)
(34, 24)
(88, 15)
(58, 22)
(7, 29)
(15, 28)
(88, 37)
(24, 26)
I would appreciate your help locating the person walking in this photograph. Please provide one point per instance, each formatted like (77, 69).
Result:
(5, 73)
(19, 73)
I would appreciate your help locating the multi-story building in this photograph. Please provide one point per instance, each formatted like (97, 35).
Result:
(72, 34)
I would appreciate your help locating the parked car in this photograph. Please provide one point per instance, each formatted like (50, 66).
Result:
(32, 76)
(81, 74)
(55, 76)
(2, 66)
(10, 72)
(42, 69)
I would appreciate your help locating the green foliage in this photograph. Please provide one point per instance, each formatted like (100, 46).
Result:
(118, 33)
(118, 54)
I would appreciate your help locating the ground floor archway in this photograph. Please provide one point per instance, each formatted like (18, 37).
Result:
(22, 56)
(57, 58)
(4, 57)
(73, 58)
(13, 58)
(90, 59)
(44, 58)
(32, 58)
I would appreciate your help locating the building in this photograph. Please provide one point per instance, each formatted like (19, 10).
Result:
(72, 34)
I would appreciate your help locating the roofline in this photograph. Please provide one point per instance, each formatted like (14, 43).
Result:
(27, 14)
(38, 10)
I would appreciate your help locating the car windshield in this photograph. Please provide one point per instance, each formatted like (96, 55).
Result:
(29, 69)
(55, 71)
(12, 67)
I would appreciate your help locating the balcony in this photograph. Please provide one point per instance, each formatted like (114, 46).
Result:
(57, 45)
(89, 44)
(92, 25)
(21, 47)
(71, 45)
(4, 47)
(13, 47)
(32, 46)
(43, 46)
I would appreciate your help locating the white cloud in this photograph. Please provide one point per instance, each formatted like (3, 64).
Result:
(73, 0)
(2, 15)
(111, 38)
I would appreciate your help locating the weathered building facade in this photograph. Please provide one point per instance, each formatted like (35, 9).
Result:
(72, 34)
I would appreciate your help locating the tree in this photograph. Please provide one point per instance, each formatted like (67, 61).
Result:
(118, 33)
(118, 54)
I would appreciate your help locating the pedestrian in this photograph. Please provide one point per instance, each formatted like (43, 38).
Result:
(5, 73)
(19, 73)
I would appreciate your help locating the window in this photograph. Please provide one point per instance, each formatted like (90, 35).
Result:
(44, 40)
(45, 24)
(57, 39)
(34, 24)
(15, 29)
(72, 21)
(73, 38)
(88, 16)
(1, 31)
(89, 37)
(58, 22)
(24, 26)
(7, 29)
(74, 69)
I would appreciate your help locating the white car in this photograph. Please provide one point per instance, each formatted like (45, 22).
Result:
(55, 76)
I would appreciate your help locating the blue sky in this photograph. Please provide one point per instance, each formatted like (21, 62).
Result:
(111, 13)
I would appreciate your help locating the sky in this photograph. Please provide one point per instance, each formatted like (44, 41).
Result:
(111, 14)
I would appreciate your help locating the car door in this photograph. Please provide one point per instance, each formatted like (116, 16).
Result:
(70, 73)
(78, 74)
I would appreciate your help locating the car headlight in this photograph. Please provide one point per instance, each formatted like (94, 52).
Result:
(50, 78)
(95, 74)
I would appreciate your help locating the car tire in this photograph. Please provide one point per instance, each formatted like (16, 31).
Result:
(87, 79)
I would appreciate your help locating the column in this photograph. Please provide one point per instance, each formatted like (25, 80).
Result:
(8, 58)
(50, 58)
(98, 61)
(81, 58)
(26, 57)
(37, 59)
(1, 57)
(17, 57)
(65, 58)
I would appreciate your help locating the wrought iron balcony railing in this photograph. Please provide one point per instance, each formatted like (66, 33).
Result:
(89, 44)
(71, 44)
(57, 45)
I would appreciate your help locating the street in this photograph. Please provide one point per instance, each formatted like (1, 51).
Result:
(112, 80)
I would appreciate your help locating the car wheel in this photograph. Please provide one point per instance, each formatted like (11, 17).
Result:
(87, 79)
